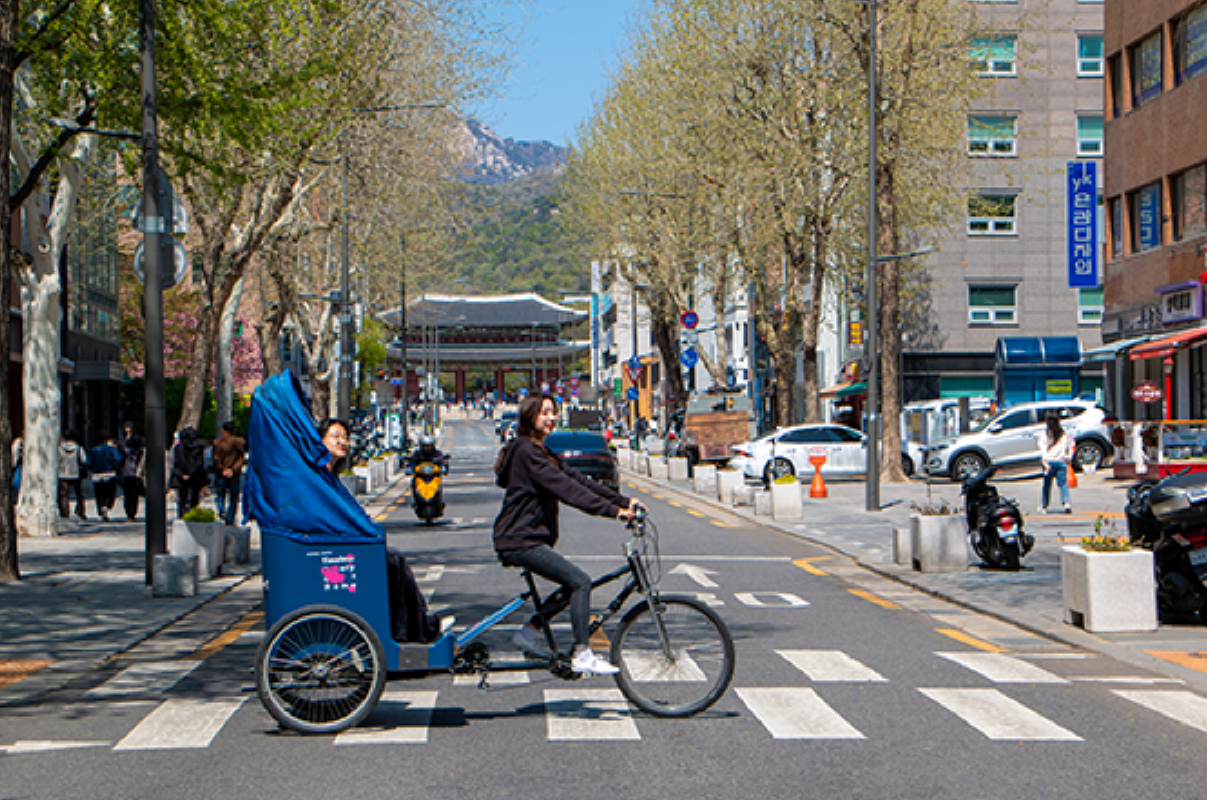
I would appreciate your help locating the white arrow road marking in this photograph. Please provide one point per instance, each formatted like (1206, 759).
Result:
(781, 600)
(797, 714)
(998, 716)
(697, 574)
(35, 746)
(1185, 707)
(402, 717)
(148, 677)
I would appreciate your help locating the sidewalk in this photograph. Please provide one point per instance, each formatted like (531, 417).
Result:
(1030, 598)
(83, 600)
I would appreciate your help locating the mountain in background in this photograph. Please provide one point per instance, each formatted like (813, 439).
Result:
(497, 160)
(515, 238)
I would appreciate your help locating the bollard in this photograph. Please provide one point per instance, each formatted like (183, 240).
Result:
(818, 487)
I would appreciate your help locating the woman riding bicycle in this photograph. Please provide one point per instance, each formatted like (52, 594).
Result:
(526, 529)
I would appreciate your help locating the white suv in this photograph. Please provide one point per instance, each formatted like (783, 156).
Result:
(1012, 439)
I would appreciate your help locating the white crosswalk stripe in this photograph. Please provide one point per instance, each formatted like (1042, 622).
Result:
(998, 716)
(594, 714)
(831, 666)
(402, 717)
(180, 724)
(797, 714)
(148, 677)
(1185, 707)
(1001, 668)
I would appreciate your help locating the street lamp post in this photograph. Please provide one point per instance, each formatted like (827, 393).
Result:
(402, 334)
(344, 410)
(873, 345)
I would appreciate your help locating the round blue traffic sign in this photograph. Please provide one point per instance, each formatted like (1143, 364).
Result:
(634, 363)
(689, 357)
(690, 319)
(632, 393)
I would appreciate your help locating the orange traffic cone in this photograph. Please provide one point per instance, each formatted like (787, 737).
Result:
(1072, 477)
(818, 487)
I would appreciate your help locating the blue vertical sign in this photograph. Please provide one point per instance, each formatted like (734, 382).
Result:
(1082, 192)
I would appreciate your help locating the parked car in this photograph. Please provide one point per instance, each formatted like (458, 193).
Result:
(588, 452)
(1012, 439)
(505, 419)
(925, 423)
(786, 452)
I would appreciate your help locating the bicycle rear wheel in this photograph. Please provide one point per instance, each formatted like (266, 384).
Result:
(685, 675)
(320, 670)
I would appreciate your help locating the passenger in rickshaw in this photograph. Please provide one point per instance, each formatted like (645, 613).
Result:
(409, 617)
(526, 529)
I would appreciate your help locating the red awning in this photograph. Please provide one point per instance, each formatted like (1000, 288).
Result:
(1167, 346)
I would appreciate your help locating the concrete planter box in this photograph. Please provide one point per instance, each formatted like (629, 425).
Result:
(351, 483)
(743, 495)
(903, 549)
(206, 540)
(1109, 592)
(622, 458)
(237, 546)
(704, 479)
(762, 503)
(939, 544)
(377, 476)
(677, 468)
(786, 503)
(659, 469)
(727, 481)
(174, 576)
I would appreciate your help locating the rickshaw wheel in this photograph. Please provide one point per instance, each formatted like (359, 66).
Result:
(320, 669)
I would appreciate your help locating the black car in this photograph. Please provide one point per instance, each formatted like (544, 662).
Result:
(587, 452)
(505, 419)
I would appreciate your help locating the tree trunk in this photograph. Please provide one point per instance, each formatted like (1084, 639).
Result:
(891, 470)
(222, 365)
(9, 562)
(812, 324)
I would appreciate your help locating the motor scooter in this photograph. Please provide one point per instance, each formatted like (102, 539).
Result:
(427, 490)
(995, 524)
(1169, 517)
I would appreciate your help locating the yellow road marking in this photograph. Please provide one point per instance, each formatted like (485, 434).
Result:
(721, 524)
(807, 565)
(381, 517)
(659, 496)
(675, 503)
(694, 512)
(871, 598)
(1195, 660)
(960, 636)
(13, 670)
(250, 619)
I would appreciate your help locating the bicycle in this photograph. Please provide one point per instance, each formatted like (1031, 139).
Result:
(321, 669)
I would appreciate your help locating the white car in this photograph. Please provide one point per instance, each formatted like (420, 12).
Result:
(787, 451)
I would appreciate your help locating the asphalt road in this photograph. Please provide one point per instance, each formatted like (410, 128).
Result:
(847, 685)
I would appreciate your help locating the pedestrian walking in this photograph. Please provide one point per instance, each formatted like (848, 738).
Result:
(104, 461)
(188, 471)
(230, 454)
(134, 457)
(73, 468)
(1056, 448)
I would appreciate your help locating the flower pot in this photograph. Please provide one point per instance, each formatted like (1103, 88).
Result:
(939, 543)
(1109, 592)
(206, 540)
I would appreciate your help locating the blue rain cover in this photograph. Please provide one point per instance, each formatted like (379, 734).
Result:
(289, 489)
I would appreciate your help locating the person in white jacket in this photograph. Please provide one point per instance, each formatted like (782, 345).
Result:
(1056, 447)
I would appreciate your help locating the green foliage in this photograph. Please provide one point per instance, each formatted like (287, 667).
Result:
(199, 514)
(133, 402)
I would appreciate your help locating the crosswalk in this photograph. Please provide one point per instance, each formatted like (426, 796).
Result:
(806, 707)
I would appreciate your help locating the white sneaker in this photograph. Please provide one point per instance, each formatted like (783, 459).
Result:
(587, 663)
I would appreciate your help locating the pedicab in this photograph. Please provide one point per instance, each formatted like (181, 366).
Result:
(330, 648)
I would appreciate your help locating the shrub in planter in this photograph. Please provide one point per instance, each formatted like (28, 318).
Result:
(199, 514)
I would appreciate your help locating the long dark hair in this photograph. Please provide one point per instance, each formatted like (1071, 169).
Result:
(1055, 431)
(530, 409)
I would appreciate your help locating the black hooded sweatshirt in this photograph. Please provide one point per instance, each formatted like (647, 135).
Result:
(536, 481)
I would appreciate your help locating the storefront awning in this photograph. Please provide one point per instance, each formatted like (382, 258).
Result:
(1169, 345)
(1110, 351)
(841, 390)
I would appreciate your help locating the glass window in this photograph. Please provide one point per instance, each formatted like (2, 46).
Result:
(992, 305)
(993, 56)
(1089, 57)
(1015, 419)
(991, 136)
(1190, 203)
(991, 215)
(844, 436)
(1115, 65)
(1089, 306)
(1116, 218)
(1089, 136)
(1146, 70)
(1190, 44)
(1146, 218)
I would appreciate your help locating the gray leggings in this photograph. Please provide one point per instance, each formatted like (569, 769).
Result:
(575, 588)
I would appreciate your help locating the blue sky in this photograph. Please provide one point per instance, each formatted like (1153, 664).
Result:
(567, 50)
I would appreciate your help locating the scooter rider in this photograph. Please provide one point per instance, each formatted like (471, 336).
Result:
(427, 451)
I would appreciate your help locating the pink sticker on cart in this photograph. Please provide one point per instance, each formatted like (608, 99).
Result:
(339, 573)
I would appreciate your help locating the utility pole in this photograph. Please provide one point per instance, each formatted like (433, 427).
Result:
(344, 410)
(873, 341)
(402, 335)
(156, 417)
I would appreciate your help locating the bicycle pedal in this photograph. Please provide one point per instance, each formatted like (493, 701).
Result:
(484, 682)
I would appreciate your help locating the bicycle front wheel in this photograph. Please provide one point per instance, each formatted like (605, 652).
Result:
(676, 659)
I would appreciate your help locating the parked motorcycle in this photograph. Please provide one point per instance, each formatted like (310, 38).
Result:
(427, 490)
(995, 524)
(1169, 517)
